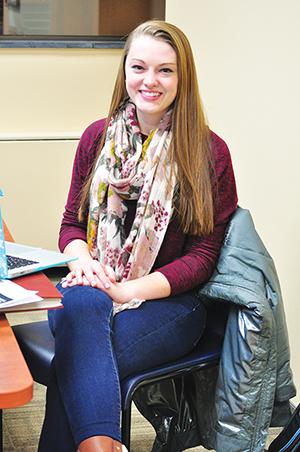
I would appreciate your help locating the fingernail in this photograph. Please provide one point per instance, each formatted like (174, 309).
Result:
(107, 286)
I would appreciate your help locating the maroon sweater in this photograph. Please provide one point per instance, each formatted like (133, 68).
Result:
(185, 260)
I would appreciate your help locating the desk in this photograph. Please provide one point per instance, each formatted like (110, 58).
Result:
(16, 384)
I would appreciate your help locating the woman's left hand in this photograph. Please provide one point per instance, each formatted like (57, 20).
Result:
(122, 292)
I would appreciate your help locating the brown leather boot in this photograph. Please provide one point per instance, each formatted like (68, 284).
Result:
(101, 444)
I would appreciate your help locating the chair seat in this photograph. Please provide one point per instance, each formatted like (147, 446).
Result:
(205, 355)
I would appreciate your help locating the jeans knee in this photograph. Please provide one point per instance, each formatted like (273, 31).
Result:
(81, 303)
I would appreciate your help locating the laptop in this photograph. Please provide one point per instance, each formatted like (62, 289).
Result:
(18, 260)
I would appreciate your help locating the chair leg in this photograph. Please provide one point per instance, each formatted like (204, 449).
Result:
(1, 432)
(126, 427)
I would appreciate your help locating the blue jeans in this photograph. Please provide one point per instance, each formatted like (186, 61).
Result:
(95, 350)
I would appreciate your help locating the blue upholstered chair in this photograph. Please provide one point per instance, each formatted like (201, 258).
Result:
(37, 345)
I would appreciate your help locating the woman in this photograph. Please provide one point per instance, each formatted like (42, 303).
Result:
(151, 194)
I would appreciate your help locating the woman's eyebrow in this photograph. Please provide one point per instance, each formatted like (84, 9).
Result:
(167, 64)
(137, 59)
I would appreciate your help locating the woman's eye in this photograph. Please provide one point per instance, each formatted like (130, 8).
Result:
(166, 70)
(137, 67)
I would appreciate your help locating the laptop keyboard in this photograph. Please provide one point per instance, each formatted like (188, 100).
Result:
(16, 262)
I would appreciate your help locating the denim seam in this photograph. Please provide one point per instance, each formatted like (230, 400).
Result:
(112, 356)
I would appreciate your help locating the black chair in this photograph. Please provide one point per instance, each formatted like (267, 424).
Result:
(37, 344)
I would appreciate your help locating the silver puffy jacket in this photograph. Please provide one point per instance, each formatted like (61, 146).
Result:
(254, 373)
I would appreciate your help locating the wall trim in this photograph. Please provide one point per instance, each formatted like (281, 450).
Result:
(46, 136)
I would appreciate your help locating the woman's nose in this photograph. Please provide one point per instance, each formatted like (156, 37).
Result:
(150, 78)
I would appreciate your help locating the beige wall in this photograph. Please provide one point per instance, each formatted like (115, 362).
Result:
(48, 97)
(35, 182)
(247, 56)
(54, 92)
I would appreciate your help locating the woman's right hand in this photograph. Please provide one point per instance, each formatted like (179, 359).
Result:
(86, 270)
(90, 273)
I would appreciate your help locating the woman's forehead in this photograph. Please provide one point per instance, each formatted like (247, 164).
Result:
(145, 46)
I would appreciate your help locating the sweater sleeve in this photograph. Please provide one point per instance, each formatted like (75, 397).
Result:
(200, 254)
(71, 228)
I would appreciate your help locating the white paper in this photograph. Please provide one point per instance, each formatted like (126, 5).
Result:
(11, 294)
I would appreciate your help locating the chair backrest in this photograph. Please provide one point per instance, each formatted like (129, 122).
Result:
(37, 345)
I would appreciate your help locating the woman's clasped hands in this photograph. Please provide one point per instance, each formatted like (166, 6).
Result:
(90, 272)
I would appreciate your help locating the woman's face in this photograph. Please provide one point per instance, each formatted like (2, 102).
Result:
(151, 79)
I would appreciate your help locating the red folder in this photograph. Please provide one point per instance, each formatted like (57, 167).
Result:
(40, 282)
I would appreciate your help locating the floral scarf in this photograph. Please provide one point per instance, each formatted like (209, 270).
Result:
(128, 169)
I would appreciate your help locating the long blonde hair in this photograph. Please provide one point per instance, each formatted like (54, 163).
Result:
(190, 145)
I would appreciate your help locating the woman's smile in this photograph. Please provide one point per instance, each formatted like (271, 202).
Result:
(151, 95)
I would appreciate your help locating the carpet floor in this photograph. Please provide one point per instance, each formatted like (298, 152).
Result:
(22, 427)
